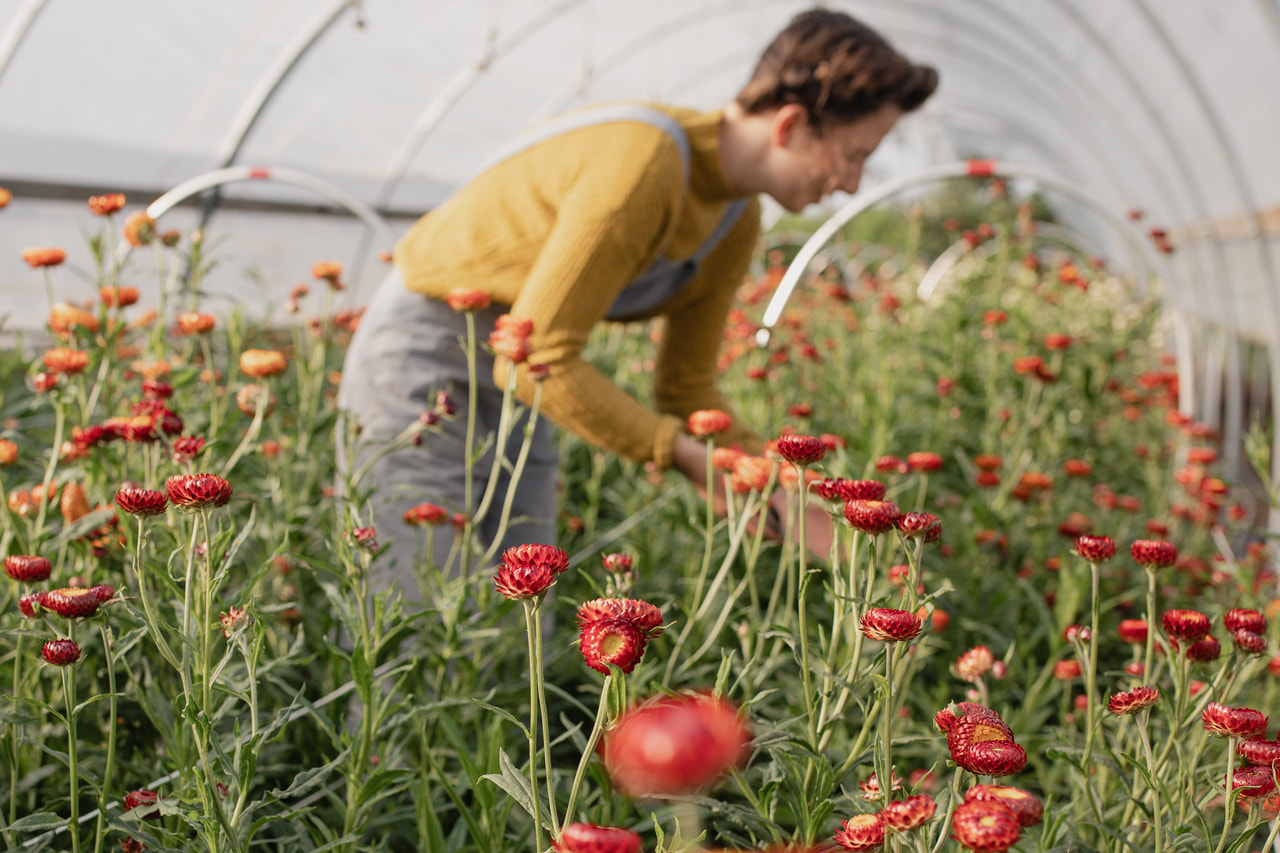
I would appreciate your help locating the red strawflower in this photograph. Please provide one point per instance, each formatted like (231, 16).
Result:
(974, 663)
(946, 718)
(1026, 807)
(1067, 669)
(1096, 549)
(642, 614)
(891, 464)
(862, 490)
(1077, 468)
(194, 491)
(27, 569)
(60, 652)
(1242, 619)
(137, 501)
(890, 626)
(1133, 701)
(509, 345)
(426, 513)
(556, 560)
(467, 299)
(157, 389)
(186, 449)
(589, 838)
(71, 603)
(129, 844)
(104, 205)
(520, 581)
(1153, 553)
(1206, 650)
(675, 745)
(29, 605)
(1186, 626)
(913, 524)
(801, 450)
(872, 516)
(906, 815)
(985, 826)
(1249, 642)
(974, 729)
(619, 563)
(142, 797)
(1259, 750)
(236, 619)
(104, 592)
(364, 537)
(861, 832)
(1133, 631)
(994, 758)
(1254, 782)
(611, 641)
(924, 461)
(1224, 721)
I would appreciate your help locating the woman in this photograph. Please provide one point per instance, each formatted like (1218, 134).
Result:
(621, 212)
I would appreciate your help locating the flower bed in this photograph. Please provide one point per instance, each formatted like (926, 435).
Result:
(1043, 618)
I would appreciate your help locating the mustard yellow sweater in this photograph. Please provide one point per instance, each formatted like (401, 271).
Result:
(558, 230)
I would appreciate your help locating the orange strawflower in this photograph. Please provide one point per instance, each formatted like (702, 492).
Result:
(194, 323)
(707, 422)
(74, 504)
(260, 362)
(8, 452)
(861, 832)
(64, 317)
(5, 197)
(105, 205)
(1026, 807)
(66, 360)
(47, 256)
(467, 299)
(139, 229)
(119, 295)
(329, 271)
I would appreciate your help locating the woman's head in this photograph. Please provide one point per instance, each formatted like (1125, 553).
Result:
(837, 69)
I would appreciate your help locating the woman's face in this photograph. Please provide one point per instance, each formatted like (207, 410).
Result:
(808, 166)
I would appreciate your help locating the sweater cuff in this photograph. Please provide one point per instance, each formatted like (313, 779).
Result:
(664, 440)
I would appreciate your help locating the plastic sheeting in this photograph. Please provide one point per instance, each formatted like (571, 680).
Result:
(1161, 106)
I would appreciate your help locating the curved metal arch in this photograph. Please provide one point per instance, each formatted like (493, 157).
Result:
(17, 30)
(273, 78)
(235, 174)
(429, 119)
(983, 168)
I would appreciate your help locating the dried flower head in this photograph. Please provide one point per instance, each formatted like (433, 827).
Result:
(71, 602)
(1259, 750)
(509, 345)
(946, 718)
(1254, 783)
(1225, 721)
(248, 397)
(1096, 549)
(1133, 701)
(524, 581)
(890, 626)
(974, 663)
(326, 270)
(611, 641)
(1249, 642)
(1205, 650)
(1153, 553)
(118, 295)
(60, 652)
(985, 826)
(924, 461)
(140, 799)
(467, 299)
(919, 524)
(643, 614)
(8, 452)
(195, 491)
(44, 256)
(617, 563)
(861, 832)
(139, 229)
(913, 812)
(66, 360)
(555, 560)
(589, 838)
(260, 363)
(1024, 805)
(234, 620)
(1185, 626)
(195, 323)
(25, 568)
(105, 205)
(675, 744)
(1133, 631)
(801, 450)
(872, 517)
(1242, 619)
(65, 317)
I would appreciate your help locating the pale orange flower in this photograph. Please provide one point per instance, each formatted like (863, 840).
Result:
(120, 295)
(8, 452)
(194, 323)
(139, 229)
(104, 205)
(262, 362)
(66, 360)
(44, 256)
(74, 505)
(5, 197)
(327, 270)
(64, 317)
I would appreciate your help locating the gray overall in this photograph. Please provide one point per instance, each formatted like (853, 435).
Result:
(408, 347)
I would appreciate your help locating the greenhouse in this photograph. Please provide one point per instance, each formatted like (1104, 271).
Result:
(603, 427)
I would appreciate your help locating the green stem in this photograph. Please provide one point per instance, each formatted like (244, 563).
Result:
(598, 729)
(530, 616)
(110, 764)
(707, 540)
(546, 726)
(467, 460)
(1155, 802)
(1231, 800)
(1151, 627)
(73, 765)
(59, 425)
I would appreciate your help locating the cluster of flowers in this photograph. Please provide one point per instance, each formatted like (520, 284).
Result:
(67, 602)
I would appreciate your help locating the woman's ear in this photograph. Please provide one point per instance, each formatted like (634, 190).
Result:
(786, 120)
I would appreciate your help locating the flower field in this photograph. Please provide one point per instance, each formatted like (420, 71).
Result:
(1046, 618)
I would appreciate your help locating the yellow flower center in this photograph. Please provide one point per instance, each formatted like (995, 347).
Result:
(612, 644)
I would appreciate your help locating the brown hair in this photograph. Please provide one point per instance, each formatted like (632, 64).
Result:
(835, 67)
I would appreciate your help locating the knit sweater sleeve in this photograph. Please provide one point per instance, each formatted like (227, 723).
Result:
(685, 376)
(610, 223)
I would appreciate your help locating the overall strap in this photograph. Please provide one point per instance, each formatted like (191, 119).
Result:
(592, 116)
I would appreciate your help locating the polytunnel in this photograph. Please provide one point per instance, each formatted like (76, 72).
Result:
(248, 679)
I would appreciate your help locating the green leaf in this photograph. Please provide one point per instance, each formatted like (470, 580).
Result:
(504, 714)
(39, 822)
(308, 780)
(513, 782)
